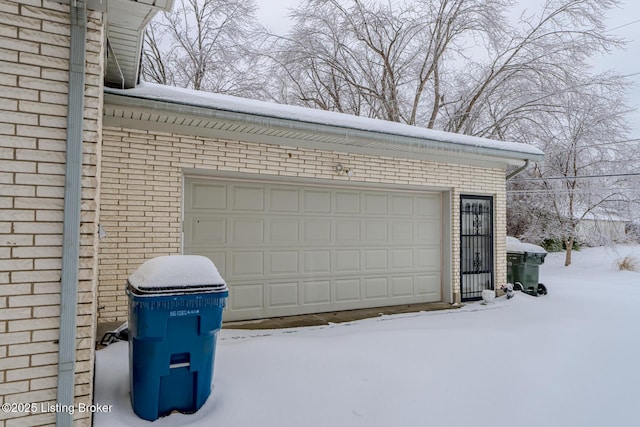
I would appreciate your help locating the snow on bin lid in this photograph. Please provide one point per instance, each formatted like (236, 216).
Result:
(177, 273)
(516, 246)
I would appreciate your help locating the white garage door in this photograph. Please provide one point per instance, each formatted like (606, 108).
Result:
(295, 249)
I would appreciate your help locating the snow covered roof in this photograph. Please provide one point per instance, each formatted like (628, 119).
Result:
(267, 119)
(171, 273)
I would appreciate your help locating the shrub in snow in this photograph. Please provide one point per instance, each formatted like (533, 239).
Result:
(629, 263)
(558, 245)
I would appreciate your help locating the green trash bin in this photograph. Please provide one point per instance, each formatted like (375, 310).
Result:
(523, 265)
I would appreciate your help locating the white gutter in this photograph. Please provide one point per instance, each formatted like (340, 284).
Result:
(71, 221)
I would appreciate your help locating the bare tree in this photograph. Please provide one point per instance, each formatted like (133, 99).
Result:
(378, 59)
(153, 61)
(456, 65)
(583, 173)
(203, 45)
(526, 66)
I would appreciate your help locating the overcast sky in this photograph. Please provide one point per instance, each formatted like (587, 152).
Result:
(624, 22)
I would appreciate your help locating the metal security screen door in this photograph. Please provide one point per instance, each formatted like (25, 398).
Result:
(476, 246)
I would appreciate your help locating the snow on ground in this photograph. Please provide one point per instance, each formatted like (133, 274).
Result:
(567, 359)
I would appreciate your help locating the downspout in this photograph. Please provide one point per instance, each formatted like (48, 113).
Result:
(71, 221)
(519, 170)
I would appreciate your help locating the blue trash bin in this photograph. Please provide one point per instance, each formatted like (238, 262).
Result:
(175, 313)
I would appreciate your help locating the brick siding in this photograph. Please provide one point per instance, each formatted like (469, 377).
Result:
(34, 62)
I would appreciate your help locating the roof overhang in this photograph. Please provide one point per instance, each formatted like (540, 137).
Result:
(125, 24)
(166, 109)
(126, 21)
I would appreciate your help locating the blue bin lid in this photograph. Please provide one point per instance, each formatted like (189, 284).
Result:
(176, 274)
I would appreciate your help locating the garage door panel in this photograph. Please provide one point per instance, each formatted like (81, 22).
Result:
(247, 263)
(375, 288)
(347, 202)
(246, 297)
(347, 290)
(347, 231)
(402, 232)
(283, 294)
(284, 231)
(402, 205)
(347, 260)
(428, 259)
(247, 231)
(428, 231)
(375, 231)
(206, 230)
(284, 262)
(402, 287)
(429, 285)
(375, 204)
(247, 198)
(401, 259)
(428, 206)
(206, 196)
(316, 230)
(284, 200)
(317, 201)
(317, 262)
(375, 260)
(316, 292)
(289, 249)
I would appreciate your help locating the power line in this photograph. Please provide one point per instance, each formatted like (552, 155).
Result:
(566, 178)
(566, 190)
(624, 25)
(579, 190)
(614, 142)
(586, 146)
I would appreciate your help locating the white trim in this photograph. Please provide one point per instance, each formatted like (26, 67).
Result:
(307, 182)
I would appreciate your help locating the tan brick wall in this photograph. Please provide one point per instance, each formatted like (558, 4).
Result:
(34, 57)
(142, 193)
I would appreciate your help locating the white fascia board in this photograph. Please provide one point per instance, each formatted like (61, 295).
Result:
(355, 134)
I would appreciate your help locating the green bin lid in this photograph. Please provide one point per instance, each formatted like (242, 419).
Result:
(515, 246)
